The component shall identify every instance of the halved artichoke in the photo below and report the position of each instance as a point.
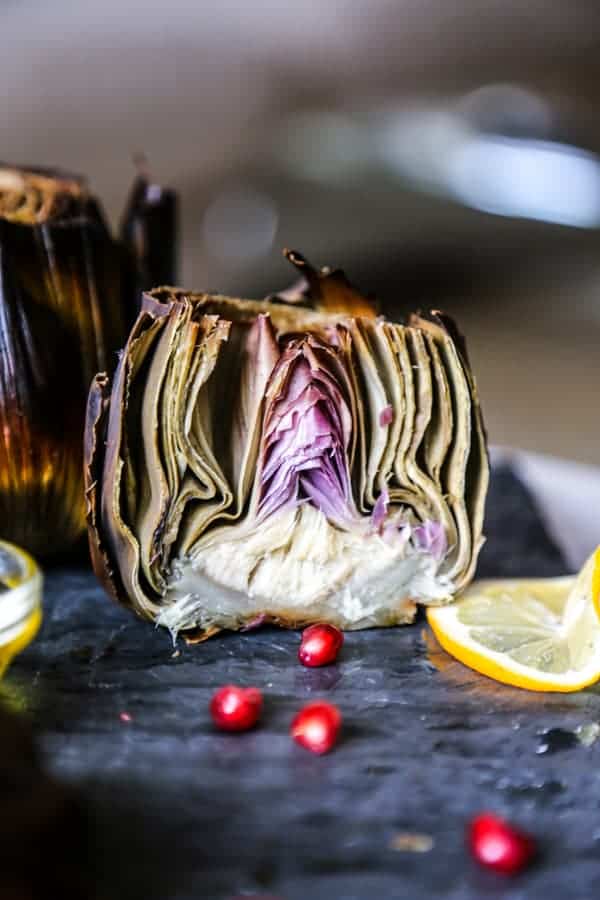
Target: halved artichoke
(257, 461)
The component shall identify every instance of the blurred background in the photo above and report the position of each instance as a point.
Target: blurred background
(445, 154)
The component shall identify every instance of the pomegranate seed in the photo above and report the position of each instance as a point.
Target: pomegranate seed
(500, 846)
(320, 645)
(236, 709)
(317, 726)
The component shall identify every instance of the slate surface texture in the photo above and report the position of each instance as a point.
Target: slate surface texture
(181, 812)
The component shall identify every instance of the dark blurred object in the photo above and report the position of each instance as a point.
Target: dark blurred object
(65, 302)
(519, 543)
(43, 829)
(149, 233)
(60, 320)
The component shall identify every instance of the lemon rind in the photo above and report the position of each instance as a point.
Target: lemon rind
(492, 664)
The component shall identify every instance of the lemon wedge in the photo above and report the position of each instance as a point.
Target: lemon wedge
(538, 634)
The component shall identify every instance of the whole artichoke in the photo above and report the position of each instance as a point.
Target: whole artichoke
(67, 300)
(260, 461)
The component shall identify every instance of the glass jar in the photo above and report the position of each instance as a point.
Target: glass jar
(20, 601)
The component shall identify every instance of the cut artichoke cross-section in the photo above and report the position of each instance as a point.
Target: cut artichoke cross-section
(272, 461)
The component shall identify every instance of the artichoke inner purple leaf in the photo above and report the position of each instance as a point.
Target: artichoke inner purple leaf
(307, 433)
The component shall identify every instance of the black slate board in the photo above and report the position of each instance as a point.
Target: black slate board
(183, 813)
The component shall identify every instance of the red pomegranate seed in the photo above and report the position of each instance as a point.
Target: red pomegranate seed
(236, 709)
(317, 726)
(500, 846)
(320, 645)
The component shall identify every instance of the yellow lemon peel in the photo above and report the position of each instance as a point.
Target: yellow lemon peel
(537, 634)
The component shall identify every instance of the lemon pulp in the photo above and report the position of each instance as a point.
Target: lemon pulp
(540, 634)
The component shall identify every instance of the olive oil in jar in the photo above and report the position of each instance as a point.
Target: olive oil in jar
(20, 602)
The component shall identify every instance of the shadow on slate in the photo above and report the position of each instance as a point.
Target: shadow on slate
(184, 813)
(518, 545)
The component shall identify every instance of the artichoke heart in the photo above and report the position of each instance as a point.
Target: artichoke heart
(292, 460)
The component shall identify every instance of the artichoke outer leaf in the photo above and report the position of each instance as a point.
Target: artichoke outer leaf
(106, 570)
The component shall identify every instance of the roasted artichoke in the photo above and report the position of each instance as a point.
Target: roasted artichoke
(260, 462)
(67, 300)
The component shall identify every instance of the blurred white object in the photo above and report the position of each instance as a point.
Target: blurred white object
(322, 146)
(447, 149)
(530, 179)
(239, 224)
